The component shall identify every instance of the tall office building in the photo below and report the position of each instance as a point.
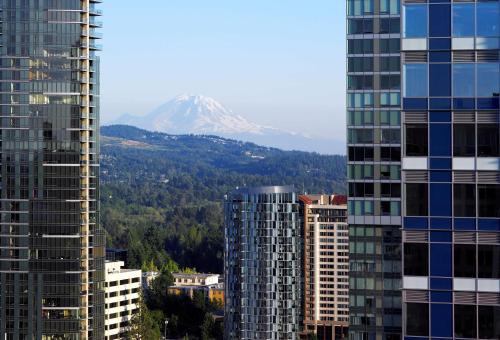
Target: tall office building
(451, 169)
(262, 260)
(51, 244)
(374, 168)
(326, 266)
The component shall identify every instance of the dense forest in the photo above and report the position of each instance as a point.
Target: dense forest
(162, 195)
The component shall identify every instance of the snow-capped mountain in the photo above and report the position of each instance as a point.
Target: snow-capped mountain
(194, 114)
(200, 115)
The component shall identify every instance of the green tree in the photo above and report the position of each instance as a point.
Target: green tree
(207, 327)
(143, 325)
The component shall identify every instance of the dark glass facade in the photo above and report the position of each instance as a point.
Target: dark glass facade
(374, 168)
(51, 243)
(451, 169)
(263, 264)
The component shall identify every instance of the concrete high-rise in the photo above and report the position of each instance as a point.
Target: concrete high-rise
(451, 169)
(51, 244)
(263, 265)
(374, 168)
(326, 266)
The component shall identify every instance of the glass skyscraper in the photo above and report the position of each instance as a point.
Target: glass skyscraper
(451, 169)
(263, 264)
(374, 168)
(51, 243)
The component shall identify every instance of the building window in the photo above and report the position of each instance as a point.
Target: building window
(463, 80)
(416, 80)
(488, 140)
(489, 322)
(464, 200)
(465, 321)
(488, 261)
(416, 140)
(415, 21)
(464, 260)
(487, 19)
(488, 79)
(489, 196)
(416, 258)
(417, 319)
(389, 6)
(416, 199)
(463, 20)
(464, 140)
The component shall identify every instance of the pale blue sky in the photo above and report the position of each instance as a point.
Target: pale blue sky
(275, 62)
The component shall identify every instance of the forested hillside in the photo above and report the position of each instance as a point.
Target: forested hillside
(162, 194)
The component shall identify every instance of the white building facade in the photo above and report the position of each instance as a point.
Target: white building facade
(122, 287)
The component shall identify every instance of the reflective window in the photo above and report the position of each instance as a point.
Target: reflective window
(359, 7)
(488, 140)
(487, 19)
(463, 20)
(465, 260)
(416, 80)
(489, 196)
(415, 21)
(417, 319)
(464, 200)
(463, 80)
(464, 140)
(489, 322)
(390, 118)
(416, 140)
(488, 261)
(488, 78)
(389, 6)
(416, 259)
(416, 199)
(465, 321)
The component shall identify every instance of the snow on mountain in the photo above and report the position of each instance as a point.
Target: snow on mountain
(200, 115)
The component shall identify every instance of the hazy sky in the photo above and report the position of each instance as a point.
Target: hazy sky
(275, 62)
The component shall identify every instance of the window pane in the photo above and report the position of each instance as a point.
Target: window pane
(464, 198)
(417, 319)
(464, 140)
(463, 20)
(489, 322)
(416, 199)
(487, 19)
(489, 196)
(416, 259)
(488, 261)
(439, 20)
(463, 80)
(465, 260)
(488, 140)
(465, 321)
(415, 76)
(415, 21)
(416, 140)
(488, 75)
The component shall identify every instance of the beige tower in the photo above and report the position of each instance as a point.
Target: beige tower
(326, 266)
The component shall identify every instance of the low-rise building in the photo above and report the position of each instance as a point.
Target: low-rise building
(122, 293)
(148, 278)
(207, 284)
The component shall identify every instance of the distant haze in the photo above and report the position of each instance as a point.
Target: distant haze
(201, 115)
(276, 63)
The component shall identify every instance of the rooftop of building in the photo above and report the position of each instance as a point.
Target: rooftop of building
(320, 199)
(265, 190)
(194, 275)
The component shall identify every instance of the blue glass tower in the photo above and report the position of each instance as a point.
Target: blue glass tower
(451, 169)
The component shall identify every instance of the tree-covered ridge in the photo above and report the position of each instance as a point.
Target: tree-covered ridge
(162, 194)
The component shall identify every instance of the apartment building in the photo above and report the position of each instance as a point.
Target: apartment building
(122, 292)
(263, 265)
(52, 247)
(326, 266)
